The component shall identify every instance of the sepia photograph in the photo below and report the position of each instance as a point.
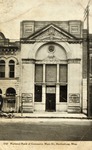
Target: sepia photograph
(45, 74)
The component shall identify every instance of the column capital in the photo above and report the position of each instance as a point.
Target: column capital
(57, 73)
(43, 73)
(74, 61)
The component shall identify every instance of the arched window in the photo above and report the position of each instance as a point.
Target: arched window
(2, 68)
(11, 68)
(10, 95)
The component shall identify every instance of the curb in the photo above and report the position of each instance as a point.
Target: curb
(39, 117)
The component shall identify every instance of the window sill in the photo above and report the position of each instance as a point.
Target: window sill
(9, 78)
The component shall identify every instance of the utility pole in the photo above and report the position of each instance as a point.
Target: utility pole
(88, 67)
(88, 63)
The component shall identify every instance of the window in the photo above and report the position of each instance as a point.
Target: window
(38, 73)
(11, 69)
(38, 93)
(63, 73)
(2, 68)
(63, 93)
(10, 95)
(51, 73)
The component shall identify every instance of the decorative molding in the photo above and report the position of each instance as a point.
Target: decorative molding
(28, 61)
(50, 83)
(55, 39)
(74, 109)
(51, 49)
(8, 51)
(51, 33)
(75, 29)
(47, 61)
(51, 59)
(74, 61)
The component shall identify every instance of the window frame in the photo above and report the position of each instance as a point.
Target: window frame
(2, 73)
(62, 86)
(38, 95)
(41, 78)
(11, 73)
(47, 73)
(61, 67)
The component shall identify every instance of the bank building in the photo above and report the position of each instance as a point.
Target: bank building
(46, 70)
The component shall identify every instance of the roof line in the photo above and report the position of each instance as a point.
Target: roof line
(47, 26)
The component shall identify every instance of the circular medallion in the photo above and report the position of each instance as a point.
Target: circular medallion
(51, 48)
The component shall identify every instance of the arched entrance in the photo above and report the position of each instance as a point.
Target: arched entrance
(11, 98)
(51, 78)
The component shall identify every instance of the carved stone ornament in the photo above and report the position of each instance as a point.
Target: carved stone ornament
(51, 52)
(51, 49)
(51, 33)
(51, 59)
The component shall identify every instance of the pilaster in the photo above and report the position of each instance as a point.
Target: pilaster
(44, 66)
(7, 70)
(57, 73)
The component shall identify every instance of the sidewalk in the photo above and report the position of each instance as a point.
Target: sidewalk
(50, 115)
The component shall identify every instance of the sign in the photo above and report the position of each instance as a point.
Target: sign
(51, 90)
(74, 98)
(27, 102)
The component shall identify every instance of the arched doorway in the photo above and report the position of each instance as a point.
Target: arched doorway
(11, 98)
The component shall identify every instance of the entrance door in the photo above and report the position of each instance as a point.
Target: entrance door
(50, 102)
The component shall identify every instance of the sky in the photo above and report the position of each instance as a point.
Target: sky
(12, 12)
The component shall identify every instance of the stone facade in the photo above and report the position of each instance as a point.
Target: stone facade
(49, 68)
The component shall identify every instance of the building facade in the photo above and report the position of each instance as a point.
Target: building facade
(46, 70)
(9, 73)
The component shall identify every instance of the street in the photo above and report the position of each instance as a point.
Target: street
(45, 129)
